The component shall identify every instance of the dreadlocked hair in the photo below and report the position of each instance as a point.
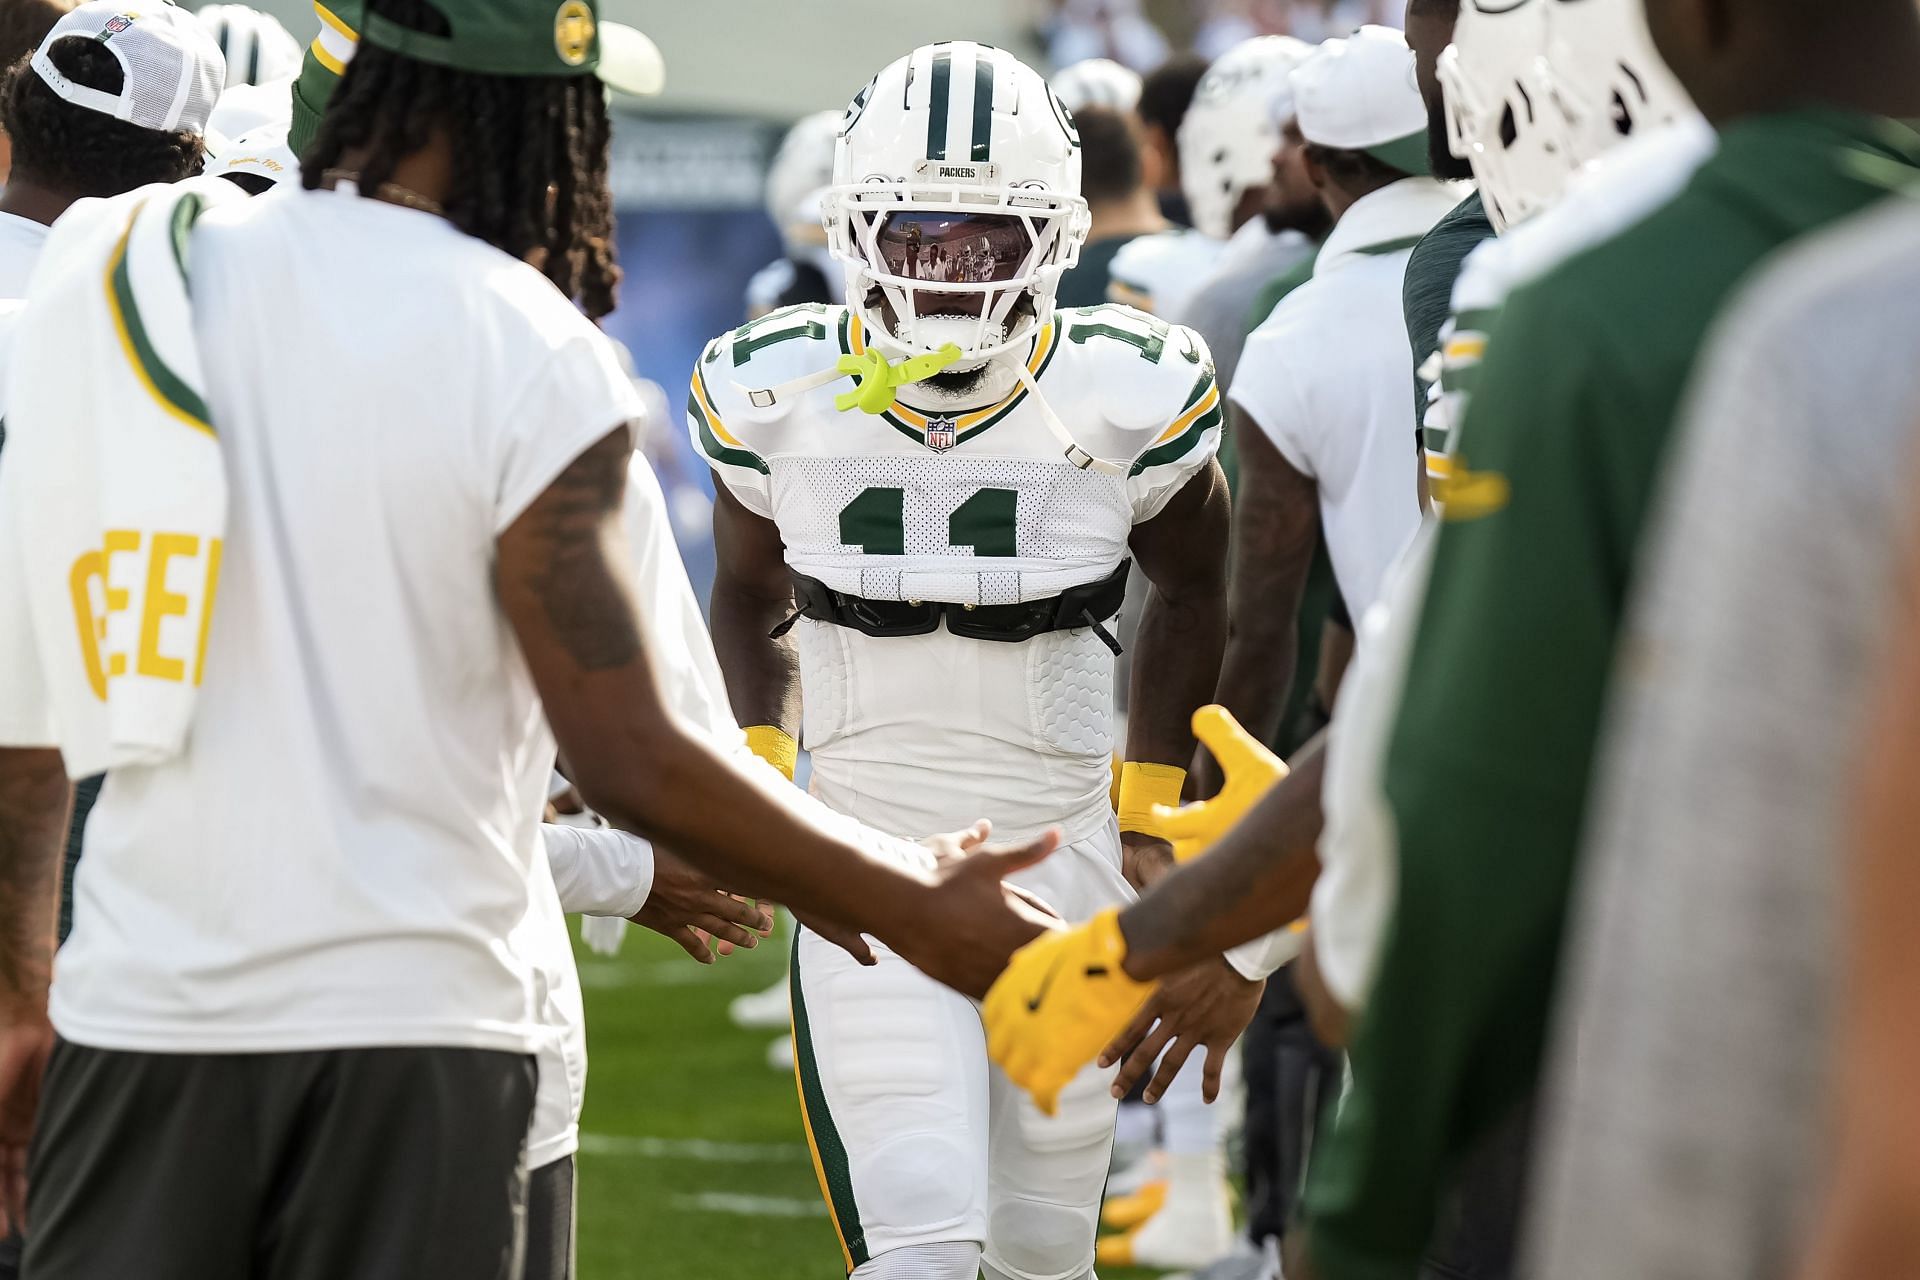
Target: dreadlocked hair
(78, 151)
(529, 153)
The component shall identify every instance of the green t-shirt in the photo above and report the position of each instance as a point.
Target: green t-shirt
(1487, 773)
(1427, 292)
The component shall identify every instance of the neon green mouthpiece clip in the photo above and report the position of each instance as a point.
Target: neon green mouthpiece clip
(875, 379)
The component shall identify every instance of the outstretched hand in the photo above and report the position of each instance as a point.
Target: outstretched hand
(1062, 997)
(1204, 1007)
(689, 908)
(970, 922)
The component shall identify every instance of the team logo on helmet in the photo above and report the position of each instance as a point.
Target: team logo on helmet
(573, 32)
(942, 434)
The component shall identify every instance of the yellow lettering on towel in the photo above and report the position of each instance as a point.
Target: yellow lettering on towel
(92, 609)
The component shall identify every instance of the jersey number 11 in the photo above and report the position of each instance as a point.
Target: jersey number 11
(988, 522)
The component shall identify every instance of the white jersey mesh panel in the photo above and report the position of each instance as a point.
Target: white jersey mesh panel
(1070, 526)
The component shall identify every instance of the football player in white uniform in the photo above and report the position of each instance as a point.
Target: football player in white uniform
(928, 502)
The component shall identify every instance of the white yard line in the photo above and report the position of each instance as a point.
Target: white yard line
(604, 1144)
(752, 1206)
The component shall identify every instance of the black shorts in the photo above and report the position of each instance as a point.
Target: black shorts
(375, 1164)
(550, 1215)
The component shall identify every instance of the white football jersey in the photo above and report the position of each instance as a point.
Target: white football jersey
(1161, 272)
(921, 734)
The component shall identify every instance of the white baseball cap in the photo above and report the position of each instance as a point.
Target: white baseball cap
(172, 71)
(1359, 94)
(259, 160)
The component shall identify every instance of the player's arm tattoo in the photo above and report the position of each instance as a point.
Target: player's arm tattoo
(1176, 649)
(35, 800)
(1276, 528)
(1257, 879)
(569, 529)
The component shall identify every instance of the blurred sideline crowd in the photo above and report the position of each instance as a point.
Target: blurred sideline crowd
(1604, 796)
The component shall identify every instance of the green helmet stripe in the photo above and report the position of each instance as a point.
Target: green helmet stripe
(938, 94)
(982, 109)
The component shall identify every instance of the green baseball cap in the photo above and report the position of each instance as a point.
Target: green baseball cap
(528, 38)
(627, 60)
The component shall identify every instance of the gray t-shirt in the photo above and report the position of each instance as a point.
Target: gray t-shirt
(1681, 1133)
(1253, 259)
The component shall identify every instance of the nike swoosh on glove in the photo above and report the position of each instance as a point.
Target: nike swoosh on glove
(1062, 998)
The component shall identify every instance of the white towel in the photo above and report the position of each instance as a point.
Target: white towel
(124, 501)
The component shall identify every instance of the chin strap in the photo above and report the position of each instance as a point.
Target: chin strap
(874, 379)
(1075, 454)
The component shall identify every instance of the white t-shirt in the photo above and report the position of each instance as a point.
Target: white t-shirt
(1326, 378)
(20, 241)
(340, 853)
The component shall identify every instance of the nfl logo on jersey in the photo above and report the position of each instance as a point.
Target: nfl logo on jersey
(940, 434)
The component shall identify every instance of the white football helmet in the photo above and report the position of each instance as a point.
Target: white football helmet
(1499, 117)
(802, 168)
(1232, 131)
(258, 49)
(1606, 80)
(1098, 82)
(956, 202)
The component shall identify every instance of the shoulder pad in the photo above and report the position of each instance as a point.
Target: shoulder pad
(1126, 376)
(775, 349)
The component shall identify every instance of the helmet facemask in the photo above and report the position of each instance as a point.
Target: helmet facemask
(1607, 81)
(933, 263)
(1509, 131)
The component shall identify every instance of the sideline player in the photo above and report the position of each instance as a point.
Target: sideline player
(393, 604)
(957, 554)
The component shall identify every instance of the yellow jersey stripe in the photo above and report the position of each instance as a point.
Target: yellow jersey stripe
(713, 415)
(1191, 416)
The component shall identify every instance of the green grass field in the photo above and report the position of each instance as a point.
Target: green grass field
(692, 1160)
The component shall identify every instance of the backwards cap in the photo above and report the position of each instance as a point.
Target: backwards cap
(171, 69)
(1359, 94)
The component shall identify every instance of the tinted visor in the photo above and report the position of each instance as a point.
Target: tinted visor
(958, 248)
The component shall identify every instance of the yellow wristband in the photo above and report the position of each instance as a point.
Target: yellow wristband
(774, 745)
(1142, 786)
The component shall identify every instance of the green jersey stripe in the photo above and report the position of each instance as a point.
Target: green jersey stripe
(835, 1170)
(938, 93)
(1200, 389)
(982, 110)
(165, 383)
(711, 443)
(1178, 448)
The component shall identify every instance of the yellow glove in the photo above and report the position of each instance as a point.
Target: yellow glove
(1249, 768)
(1062, 998)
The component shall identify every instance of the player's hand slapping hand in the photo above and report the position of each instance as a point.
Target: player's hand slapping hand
(947, 850)
(689, 908)
(1204, 1007)
(1063, 998)
(1250, 771)
(970, 921)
